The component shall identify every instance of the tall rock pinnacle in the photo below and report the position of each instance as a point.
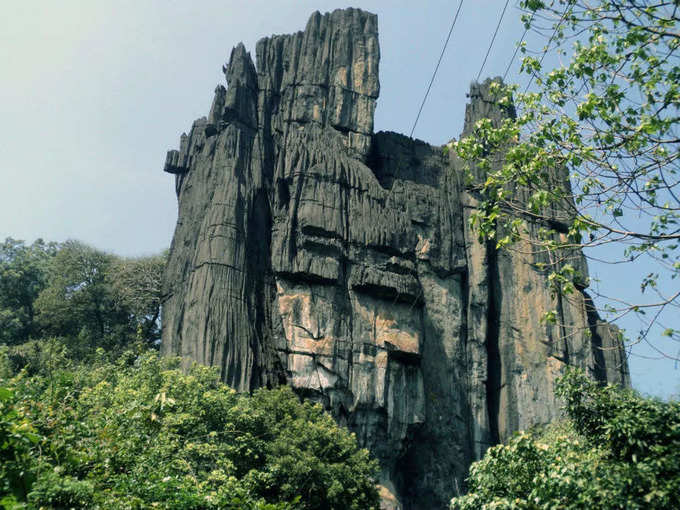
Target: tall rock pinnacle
(312, 252)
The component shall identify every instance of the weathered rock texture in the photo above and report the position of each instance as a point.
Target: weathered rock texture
(312, 252)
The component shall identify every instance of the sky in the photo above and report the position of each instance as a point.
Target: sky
(93, 94)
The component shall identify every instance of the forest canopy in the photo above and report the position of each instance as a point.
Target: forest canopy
(73, 291)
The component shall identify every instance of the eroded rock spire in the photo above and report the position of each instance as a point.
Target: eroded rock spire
(312, 252)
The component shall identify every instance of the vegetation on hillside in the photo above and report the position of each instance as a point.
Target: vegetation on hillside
(616, 450)
(92, 417)
(137, 432)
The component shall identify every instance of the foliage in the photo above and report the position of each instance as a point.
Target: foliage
(136, 284)
(42, 356)
(82, 428)
(22, 277)
(78, 293)
(139, 433)
(78, 299)
(616, 451)
(17, 439)
(607, 117)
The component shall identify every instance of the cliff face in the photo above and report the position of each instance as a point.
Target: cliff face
(312, 252)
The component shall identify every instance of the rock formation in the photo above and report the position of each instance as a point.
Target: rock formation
(312, 252)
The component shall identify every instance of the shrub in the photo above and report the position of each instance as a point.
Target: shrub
(616, 450)
(138, 433)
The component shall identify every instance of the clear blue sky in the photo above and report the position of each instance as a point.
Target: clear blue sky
(93, 94)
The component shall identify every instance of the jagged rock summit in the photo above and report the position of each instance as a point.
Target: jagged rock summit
(313, 252)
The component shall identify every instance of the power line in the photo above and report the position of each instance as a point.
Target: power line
(436, 68)
(507, 69)
(492, 40)
(547, 46)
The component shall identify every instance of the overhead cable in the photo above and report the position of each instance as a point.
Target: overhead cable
(507, 69)
(446, 43)
(492, 40)
(547, 46)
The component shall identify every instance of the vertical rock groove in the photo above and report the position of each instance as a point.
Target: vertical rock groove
(313, 252)
(493, 367)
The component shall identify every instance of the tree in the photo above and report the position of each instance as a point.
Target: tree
(79, 302)
(75, 291)
(616, 451)
(136, 285)
(606, 119)
(23, 275)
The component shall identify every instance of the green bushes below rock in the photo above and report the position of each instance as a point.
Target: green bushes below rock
(616, 450)
(137, 432)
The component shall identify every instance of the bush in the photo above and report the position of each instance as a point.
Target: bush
(617, 450)
(17, 440)
(138, 433)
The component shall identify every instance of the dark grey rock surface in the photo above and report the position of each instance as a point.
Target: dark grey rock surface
(312, 252)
